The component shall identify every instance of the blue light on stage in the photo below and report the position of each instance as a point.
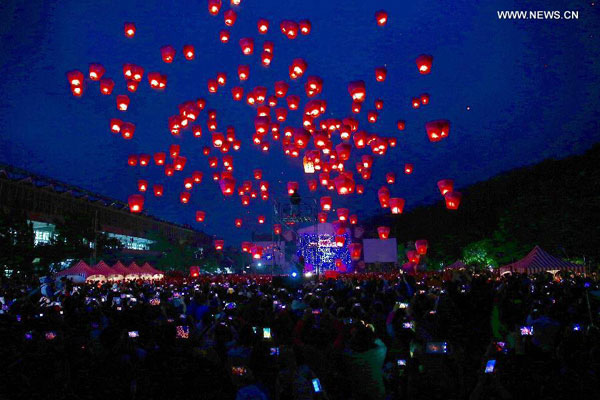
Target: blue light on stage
(321, 251)
(294, 274)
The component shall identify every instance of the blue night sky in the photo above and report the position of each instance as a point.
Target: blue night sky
(532, 88)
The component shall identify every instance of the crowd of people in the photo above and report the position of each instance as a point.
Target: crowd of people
(370, 336)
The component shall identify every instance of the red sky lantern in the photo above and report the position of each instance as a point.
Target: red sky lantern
(281, 114)
(159, 158)
(129, 29)
(75, 78)
(132, 160)
(179, 163)
(353, 219)
(416, 102)
(325, 203)
(453, 200)
(136, 203)
(289, 29)
(401, 125)
(200, 215)
(408, 169)
(96, 71)
(381, 17)
(390, 178)
(189, 52)
(424, 99)
(383, 194)
(383, 232)
(132, 85)
(115, 125)
(212, 85)
(293, 102)
(378, 104)
(357, 91)
(245, 200)
(219, 244)
(281, 88)
(437, 130)
(122, 102)
(264, 186)
(246, 246)
(169, 170)
(313, 86)
(188, 183)
(277, 229)
(158, 190)
(218, 139)
(344, 185)
(380, 74)
(445, 186)
(292, 187)
(360, 189)
(342, 214)
(106, 86)
(322, 217)
(340, 240)
(227, 186)
(356, 107)
(261, 219)
(297, 68)
(372, 116)
(194, 271)
(305, 26)
(174, 150)
(312, 185)
(213, 162)
(229, 17)
(266, 58)
(214, 6)
(238, 222)
(167, 53)
(355, 251)
(343, 151)
(221, 78)
(127, 130)
(421, 246)
(263, 26)
(413, 256)
(424, 62)
(224, 36)
(258, 174)
(144, 160)
(257, 252)
(247, 46)
(396, 205)
(184, 197)
(324, 178)
(360, 139)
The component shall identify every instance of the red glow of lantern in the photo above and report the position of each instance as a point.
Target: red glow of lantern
(221, 78)
(224, 36)
(115, 125)
(381, 17)
(305, 26)
(322, 217)
(355, 250)
(277, 229)
(312, 185)
(136, 203)
(408, 169)
(188, 183)
(184, 197)
(132, 160)
(96, 71)
(424, 62)
(266, 58)
(261, 219)
(179, 163)
(437, 130)
(219, 244)
(281, 88)
(383, 194)
(353, 219)
(227, 186)
(390, 178)
(453, 200)
(214, 6)
(200, 215)
(325, 203)
(159, 158)
(424, 99)
(297, 68)
(229, 17)
(238, 222)
(189, 52)
(106, 86)
(340, 240)
(167, 53)
(289, 29)
(372, 116)
(413, 256)
(292, 187)
(396, 205)
(357, 91)
(421, 246)
(129, 29)
(127, 130)
(342, 214)
(144, 160)
(122, 102)
(263, 26)
(247, 46)
(380, 74)
(158, 190)
(257, 252)
(383, 232)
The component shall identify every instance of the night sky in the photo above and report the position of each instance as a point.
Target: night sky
(516, 92)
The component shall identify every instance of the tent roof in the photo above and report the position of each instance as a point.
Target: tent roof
(81, 268)
(458, 264)
(102, 268)
(538, 261)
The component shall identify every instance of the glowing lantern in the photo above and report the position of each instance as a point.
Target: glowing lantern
(229, 17)
(305, 26)
(218, 139)
(188, 183)
(136, 203)
(144, 160)
(194, 272)
(174, 150)
(158, 190)
(281, 89)
(408, 169)
(367, 161)
(129, 28)
(167, 53)
(156, 80)
(424, 99)
(384, 196)
(322, 217)
(258, 174)
(289, 29)
(106, 86)
(132, 85)
(75, 78)
(293, 102)
(416, 102)
(453, 200)
(378, 104)
(122, 102)
(221, 78)
(340, 240)
(297, 68)
(277, 229)
(266, 58)
(390, 178)
(445, 186)
(358, 91)
(421, 246)
(184, 197)
(227, 186)
(360, 139)
(189, 52)
(381, 17)
(353, 219)
(96, 71)
(261, 219)
(360, 189)
(383, 232)
(263, 26)
(312, 185)
(219, 243)
(344, 185)
(127, 130)
(200, 216)
(424, 62)
(212, 85)
(401, 125)
(257, 252)
(169, 170)
(437, 130)
(292, 187)
(380, 74)
(115, 125)
(247, 46)
(342, 214)
(396, 205)
(413, 256)
(372, 116)
(224, 36)
(325, 203)
(179, 163)
(355, 250)
(313, 86)
(343, 151)
(214, 6)
(238, 222)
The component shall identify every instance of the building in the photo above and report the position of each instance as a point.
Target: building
(46, 201)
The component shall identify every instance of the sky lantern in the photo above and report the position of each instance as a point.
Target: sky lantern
(424, 62)
(421, 246)
(396, 205)
(453, 200)
(174, 150)
(381, 17)
(355, 250)
(197, 176)
(122, 102)
(158, 190)
(179, 163)
(281, 114)
(353, 219)
(289, 29)
(390, 178)
(293, 102)
(324, 178)
(132, 85)
(408, 168)
(245, 199)
(261, 219)
(297, 68)
(214, 6)
(238, 222)
(263, 26)
(424, 99)
(378, 104)
(229, 17)
(313, 86)
(257, 252)
(264, 196)
(325, 203)
(312, 185)
(106, 86)
(357, 91)
(268, 46)
(132, 160)
(383, 232)
(200, 215)
(264, 186)
(305, 26)
(366, 173)
(167, 53)
(383, 194)
(77, 91)
(189, 52)
(127, 130)
(188, 183)
(360, 139)
(356, 106)
(144, 160)
(437, 130)
(129, 29)
(246, 247)
(281, 88)
(155, 79)
(367, 160)
(342, 214)
(445, 186)
(159, 158)
(247, 46)
(360, 189)
(227, 186)
(219, 244)
(292, 187)
(224, 36)
(96, 71)
(218, 139)
(115, 125)
(221, 78)
(169, 170)
(401, 125)
(413, 256)
(212, 85)
(416, 102)
(197, 131)
(340, 240)
(343, 151)
(184, 197)
(322, 217)
(266, 58)
(380, 74)
(277, 229)
(136, 203)
(258, 174)
(213, 162)
(344, 184)
(75, 78)
(372, 116)
(235, 2)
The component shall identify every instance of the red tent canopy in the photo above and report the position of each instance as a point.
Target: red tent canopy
(103, 268)
(136, 269)
(120, 268)
(81, 268)
(538, 261)
(150, 269)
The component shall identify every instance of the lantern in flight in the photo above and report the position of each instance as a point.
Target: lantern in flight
(106, 86)
(129, 28)
(355, 251)
(322, 217)
(247, 46)
(401, 125)
(383, 232)
(424, 62)
(144, 160)
(158, 190)
(263, 26)
(227, 186)
(413, 256)
(445, 186)
(384, 196)
(167, 53)
(396, 205)
(453, 200)
(122, 102)
(437, 130)
(357, 91)
(238, 222)
(96, 71)
(261, 219)
(132, 160)
(325, 203)
(292, 187)
(159, 158)
(342, 214)
(390, 178)
(214, 6)
(289, 29)
(297, 68)
(424, 99)
(229, 17)
(353, 219)
(421, 246)
(305, 26)
(380, 74)
(408, 169)
(189, 52)
(184, 197)
(281, 88)
(127, 130)
(381, 17)
(257, 252)
(136, 203)
(200, 215)
(224, 36)
(219, 244)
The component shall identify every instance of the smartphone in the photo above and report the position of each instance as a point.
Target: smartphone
(28, 336)
(489, 367)
(408, 325)
(119, 308)
(436, 348)
(155, 301)
(576, 327)
(274, 351)
(254, 329)
(317, 385)
(267, 333)
(229, 306)
(182, 332)
(239, 371)
(401, 363)
(526, 330)
(316, 312)
(402, 305)
(50, 335)
(134, 334)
